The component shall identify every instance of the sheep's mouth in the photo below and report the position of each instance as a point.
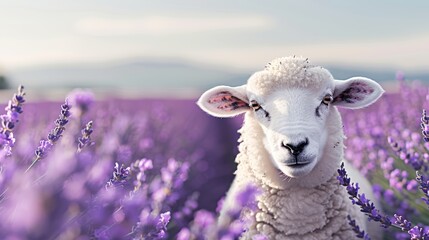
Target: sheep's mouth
(297, 164)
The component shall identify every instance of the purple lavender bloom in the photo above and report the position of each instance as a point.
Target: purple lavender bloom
(418, 233)
(60, 124)
(141, 166)
(403, 223)
(181, 216)
(162, 223)
(424, 186)
(412, 186)
(120, 175)
(395, 146)
(10, 119)
(150, 226)
(359, 233)
(412, 159)
(184, 234)
(245, 199)
(53, 137)
(342, 176)
(204, 219)
(81, 100)
(366, 206)
(44, 147)
(173, 177)
(85, 139)
(204, 225)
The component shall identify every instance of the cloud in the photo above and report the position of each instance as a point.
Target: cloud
(163, 25)
(402, 53)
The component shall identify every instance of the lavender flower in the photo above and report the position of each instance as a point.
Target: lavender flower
(141, 166)
(395, 146)
(424, 186)
(181, 217)
(366, 206)
(245, 199)
(359, 233)
(151, 227)
(418, 233)
(173, 176)
(120, 176)
(10, 119)
(184, 234)
(204, 225)
(85, 139)
(53, 137)
(403, 223)
(81, 100)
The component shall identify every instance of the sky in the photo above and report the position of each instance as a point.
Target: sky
(240, 34)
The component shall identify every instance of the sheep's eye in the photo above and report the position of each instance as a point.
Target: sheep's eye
(327, 99)
(255, 105)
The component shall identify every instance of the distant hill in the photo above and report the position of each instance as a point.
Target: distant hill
(144, 74)
(158, 74)
(379, 75)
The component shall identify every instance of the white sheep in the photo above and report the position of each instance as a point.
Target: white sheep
(291, 146)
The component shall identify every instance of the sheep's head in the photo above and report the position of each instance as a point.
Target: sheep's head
(292, 101)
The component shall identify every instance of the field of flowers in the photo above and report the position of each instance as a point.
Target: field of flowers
(157, 169)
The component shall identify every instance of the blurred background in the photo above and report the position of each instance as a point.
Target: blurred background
(178, 49)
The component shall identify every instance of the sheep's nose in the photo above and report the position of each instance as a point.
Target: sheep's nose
(296, 149)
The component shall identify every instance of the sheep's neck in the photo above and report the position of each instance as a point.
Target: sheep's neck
(302, 213)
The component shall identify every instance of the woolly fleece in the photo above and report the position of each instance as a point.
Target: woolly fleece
(287, 72)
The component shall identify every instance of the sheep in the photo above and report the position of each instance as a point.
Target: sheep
(291, 145)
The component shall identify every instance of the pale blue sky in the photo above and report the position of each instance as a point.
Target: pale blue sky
(242, 34)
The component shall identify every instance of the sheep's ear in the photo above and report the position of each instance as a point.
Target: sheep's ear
(224, 101)
(356, 92)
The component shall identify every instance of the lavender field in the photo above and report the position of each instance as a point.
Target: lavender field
(157, 169)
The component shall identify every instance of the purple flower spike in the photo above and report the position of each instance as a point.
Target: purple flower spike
(151, 226)
(53, 137)
(120, 175)
(365, 205)
(403, 223)
(81, 100)
(417, 233)
(424, 186)
(356, 229)
(395, 146)
(10, 119)
(141, 166)
(85, 139)
(342, 176)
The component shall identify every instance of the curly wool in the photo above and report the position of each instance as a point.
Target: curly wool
(287, 72)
